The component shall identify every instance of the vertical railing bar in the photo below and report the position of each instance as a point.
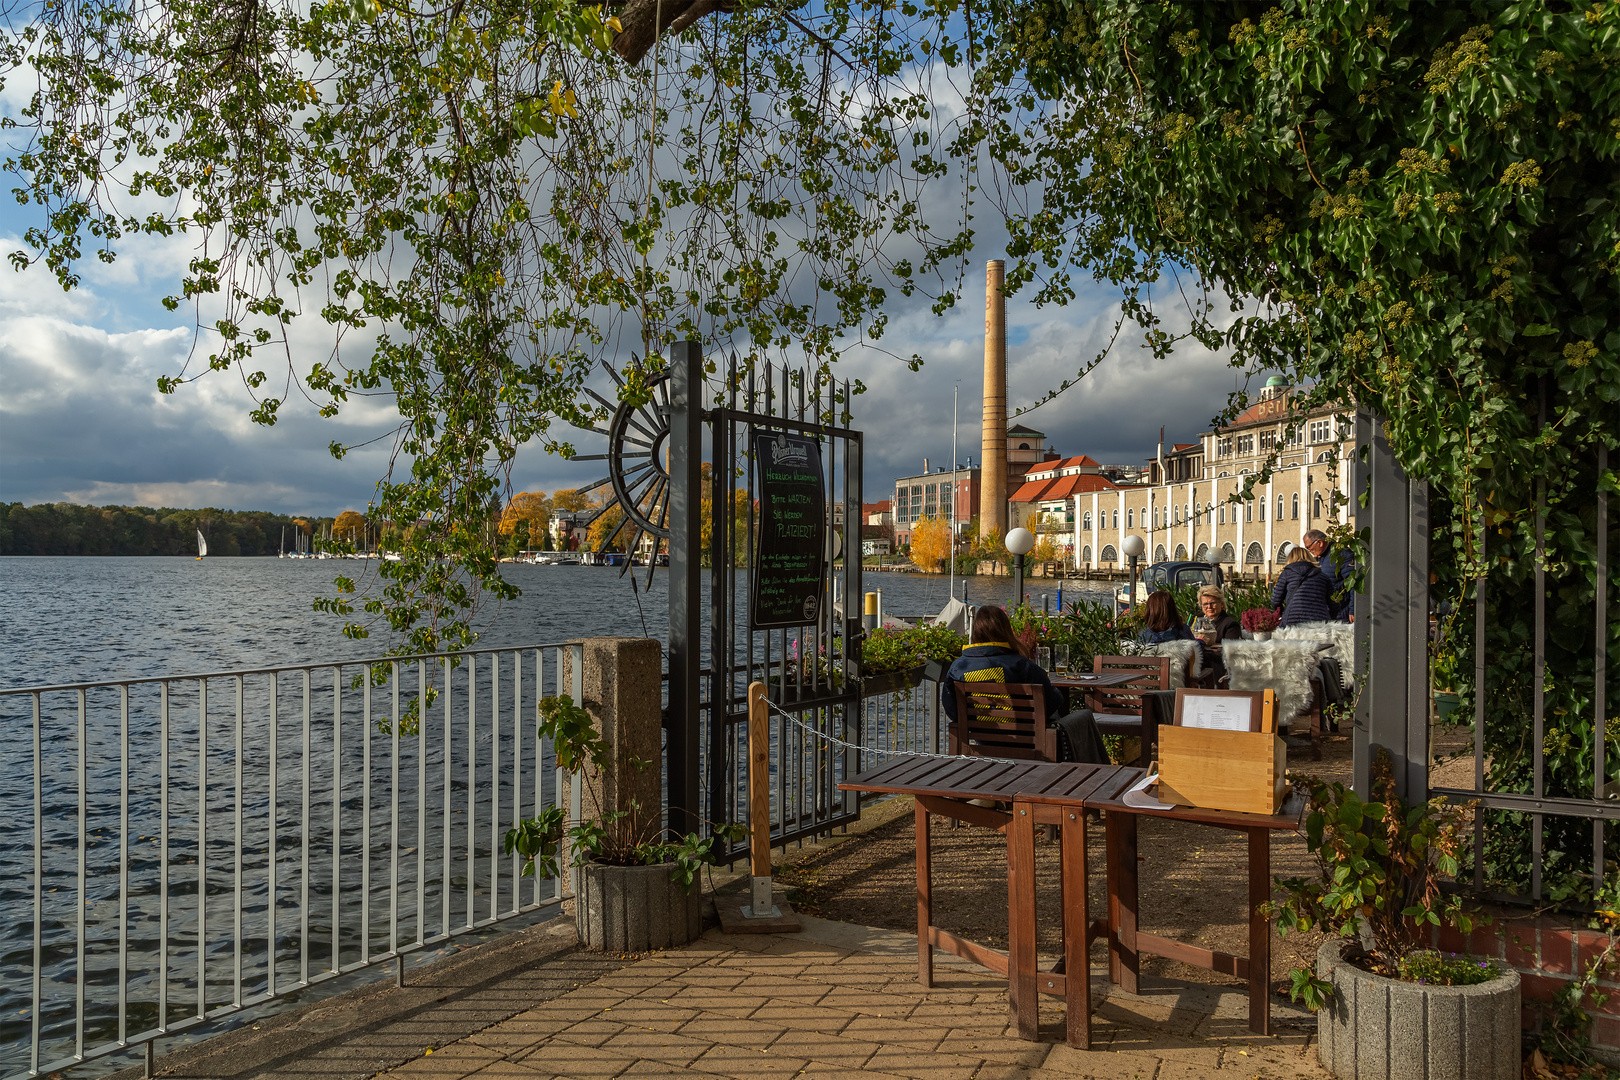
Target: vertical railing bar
(495, 781)
(539, 756)
(1600, 661)
(1538, 758)
(123, 864)
(39, 888)
(365, 818)
(472, 783)
(337, 817)
(1480, 589)
(445, 838)
(421, 801)
(202, 848)
(84, 796)
(393, 814)
(236, 945)
(272, 883)
(576, 787)
(163, 856)
(517, 767)
(303, 846)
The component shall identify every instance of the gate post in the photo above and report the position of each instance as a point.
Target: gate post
(1393, 708)
(685, 584)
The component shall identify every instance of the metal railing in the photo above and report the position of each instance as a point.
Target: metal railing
(191, 846)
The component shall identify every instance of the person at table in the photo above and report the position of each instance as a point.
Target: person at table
(1223, 626)
(1303, 593)
(995, 655)
(1339, 568)
(1163, 620)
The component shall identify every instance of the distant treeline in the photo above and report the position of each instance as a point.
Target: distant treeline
(70, 529)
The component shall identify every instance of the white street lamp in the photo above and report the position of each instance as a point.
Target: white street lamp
(1133, 546)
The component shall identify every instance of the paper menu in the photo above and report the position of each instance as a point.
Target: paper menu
(1218, 713)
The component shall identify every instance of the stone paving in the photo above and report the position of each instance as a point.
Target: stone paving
(838, 1000)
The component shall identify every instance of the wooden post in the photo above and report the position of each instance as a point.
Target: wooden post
(759, 801)
(757, 914)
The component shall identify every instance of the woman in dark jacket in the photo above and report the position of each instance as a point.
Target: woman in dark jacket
(1302, 591)
(1163, 620)
(994, 655)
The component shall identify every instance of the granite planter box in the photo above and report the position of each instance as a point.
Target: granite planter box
(1383, 1029)
(634, 908)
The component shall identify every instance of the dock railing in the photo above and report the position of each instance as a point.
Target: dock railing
(192, 846)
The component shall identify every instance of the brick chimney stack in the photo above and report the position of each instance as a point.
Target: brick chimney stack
(993, 477)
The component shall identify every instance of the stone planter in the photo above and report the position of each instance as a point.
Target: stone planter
(634, 908)
(890, 681)
(1383, 1029)
(1261, 635)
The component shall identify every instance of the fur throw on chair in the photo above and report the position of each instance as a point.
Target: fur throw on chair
(1186, 659)
(1283, 666)
(1343, 636)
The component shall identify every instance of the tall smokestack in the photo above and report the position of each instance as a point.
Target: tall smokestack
(993, 478)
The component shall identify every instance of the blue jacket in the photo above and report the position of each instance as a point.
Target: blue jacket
(1179, 632)
(995, 661)
(1303, 592)
(1339, 568)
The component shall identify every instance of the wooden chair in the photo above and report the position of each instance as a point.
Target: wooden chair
(1002, 720)
(1119, 710)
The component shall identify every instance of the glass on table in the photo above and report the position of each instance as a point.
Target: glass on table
(1043, 657)
(1060, 658)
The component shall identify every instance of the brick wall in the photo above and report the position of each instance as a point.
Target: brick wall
(1548, 952)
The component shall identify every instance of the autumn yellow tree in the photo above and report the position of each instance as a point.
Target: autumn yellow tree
(350, 526)
(930, 543)
(602, 528)
(570, 501)
(533, 507)
(1045, 550)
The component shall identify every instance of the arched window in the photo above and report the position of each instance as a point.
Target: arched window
(1316, 505)
(1116, 519)
(1248, 510)
(1181, 552)
(1085, 523)
(1280, 509)
(1130, 519)
(1203, 553)
(1255, 555)
(1186, 511)
(1085, 554)
(1282, 551)
(1023, 446)
(1293, 507)
(1262, 502)
(1209, 508)
(1158, 553)
(1220, 515)
(1108, 554)
(1228, 553)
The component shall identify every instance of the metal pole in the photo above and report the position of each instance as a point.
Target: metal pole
(685, 583)
(1133, 582)
(950, 517)
(1018, 580)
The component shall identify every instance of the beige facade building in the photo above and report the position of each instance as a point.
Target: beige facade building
(1186, 513)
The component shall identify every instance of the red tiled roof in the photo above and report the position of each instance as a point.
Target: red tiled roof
(1060, 487)
(1184, 446)
(880, 507)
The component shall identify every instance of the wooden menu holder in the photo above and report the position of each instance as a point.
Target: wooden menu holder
(1219, 769)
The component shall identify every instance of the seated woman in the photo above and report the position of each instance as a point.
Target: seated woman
(1163, 620)
(1302, 591)
(1212, 603)
(994, 656)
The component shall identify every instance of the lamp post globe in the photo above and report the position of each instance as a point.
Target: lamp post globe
(1133, 546)
(1020, 542)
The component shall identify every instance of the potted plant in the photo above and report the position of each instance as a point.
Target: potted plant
(1259, 622)
(1388, 1004)
(894, 659)
(637, 883)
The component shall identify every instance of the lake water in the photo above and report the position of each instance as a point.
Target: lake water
(69, 620)
(88, 619)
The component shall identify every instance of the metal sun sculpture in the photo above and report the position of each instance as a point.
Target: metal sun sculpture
(638, 478)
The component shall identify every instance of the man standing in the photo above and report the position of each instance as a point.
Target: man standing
(1339, 568)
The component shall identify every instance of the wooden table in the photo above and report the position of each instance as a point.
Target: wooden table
(942, 785)
(1126, 942)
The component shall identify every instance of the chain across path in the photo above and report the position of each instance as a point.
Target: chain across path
(859, 749)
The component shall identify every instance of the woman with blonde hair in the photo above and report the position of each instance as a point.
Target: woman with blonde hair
(1223, 627)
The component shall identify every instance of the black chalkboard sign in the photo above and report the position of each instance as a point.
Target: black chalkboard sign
(789, 567)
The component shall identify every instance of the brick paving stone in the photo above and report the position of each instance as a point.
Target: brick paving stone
(747, 1064)
(732, 1031)
(914, 1038)
(865, 1001)
(657, 1046)
(448, 1063)
(1067, 1061)
(577, 1060)
(779, 989)
(828, 1049)
(935, 1066)
(804, 1017)
(593, 1032)
(999, 1047)
(507, 1070)
(716, 1001)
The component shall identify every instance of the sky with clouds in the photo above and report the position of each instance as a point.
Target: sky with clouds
(81, 419)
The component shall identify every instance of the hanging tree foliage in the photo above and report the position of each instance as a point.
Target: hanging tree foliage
(474, 202)
(1417, 209)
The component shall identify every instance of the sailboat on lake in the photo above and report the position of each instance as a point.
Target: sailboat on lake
(202, 545)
